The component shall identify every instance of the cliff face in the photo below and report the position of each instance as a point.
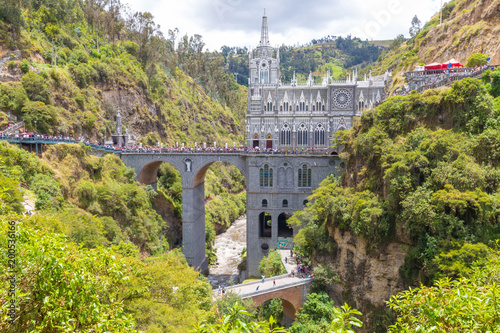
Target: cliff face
(369, 277)
(473, 27)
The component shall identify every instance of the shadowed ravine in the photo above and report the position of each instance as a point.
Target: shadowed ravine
(229, 246)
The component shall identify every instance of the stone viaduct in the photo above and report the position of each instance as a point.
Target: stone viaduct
(277, 185)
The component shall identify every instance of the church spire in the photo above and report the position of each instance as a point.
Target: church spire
(264, 36)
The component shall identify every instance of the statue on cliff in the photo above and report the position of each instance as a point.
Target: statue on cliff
(119, 123)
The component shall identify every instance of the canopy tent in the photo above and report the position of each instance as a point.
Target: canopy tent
(434, 65)
(453, 63)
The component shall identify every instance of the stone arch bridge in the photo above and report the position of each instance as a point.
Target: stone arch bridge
(277, 185)
(292, 292)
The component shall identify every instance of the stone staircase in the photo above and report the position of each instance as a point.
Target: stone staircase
(14, 127)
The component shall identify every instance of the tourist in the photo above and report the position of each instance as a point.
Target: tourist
(293, 273)
(262, 278)
(274, 283)
(257, 288)
(286, 260)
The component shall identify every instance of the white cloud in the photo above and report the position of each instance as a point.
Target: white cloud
(237, 22)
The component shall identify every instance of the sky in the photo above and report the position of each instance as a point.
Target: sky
(291, 22)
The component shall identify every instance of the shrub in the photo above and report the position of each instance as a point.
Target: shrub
(272, 265)
(46, 116)
(80, 100)
(11, 65)
(25, 66)
(79, 56)
(36, 88)
(89, 119)
(130, 47)
(86, 193)
(477, 59)
(62, 58)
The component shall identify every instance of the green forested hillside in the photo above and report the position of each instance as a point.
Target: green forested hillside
(420, 170)
(82, 60)
(320, 55)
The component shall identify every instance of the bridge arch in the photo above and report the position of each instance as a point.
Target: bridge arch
(289, 310)
(292, 297)
(192, 168)
(149, 172)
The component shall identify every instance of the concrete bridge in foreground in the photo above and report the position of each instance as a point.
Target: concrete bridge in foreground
(277, 185)
(292, 291)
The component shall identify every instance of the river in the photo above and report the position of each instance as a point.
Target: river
(229, 246)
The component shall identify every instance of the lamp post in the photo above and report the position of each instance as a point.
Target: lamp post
(441, 14)
(236, 75)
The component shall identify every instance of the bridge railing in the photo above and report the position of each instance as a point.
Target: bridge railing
(299, 282)
(116, 150)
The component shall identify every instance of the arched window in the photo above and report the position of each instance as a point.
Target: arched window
(265, 108)
(264, 203)
(304, 176)
(323, 107)
(314, 107)
(307, 107)
(281, 107)
(297, 107)
(266, 176)
(285, 203)
(264, 77)
(319, 135)
(290, 108)
(302, 135)
(285, 135)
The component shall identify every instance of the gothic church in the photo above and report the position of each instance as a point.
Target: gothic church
(302, 115)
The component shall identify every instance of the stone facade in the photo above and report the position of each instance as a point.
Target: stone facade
(302, 115)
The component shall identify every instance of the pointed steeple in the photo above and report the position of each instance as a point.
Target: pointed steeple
(264, 50)
(264, 34)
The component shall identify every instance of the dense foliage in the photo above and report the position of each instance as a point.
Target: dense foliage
(271, 265)
(468, 304)
(418, 165)
(319, 315)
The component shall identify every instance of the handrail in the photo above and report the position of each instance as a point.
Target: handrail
(168, 151)
(266, 291)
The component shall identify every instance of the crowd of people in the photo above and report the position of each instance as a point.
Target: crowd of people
(139, 149)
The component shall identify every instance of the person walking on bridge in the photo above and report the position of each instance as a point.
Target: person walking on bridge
(263, 278)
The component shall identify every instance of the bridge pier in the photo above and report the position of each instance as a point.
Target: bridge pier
(193, 226)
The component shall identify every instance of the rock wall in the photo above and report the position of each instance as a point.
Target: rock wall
(368, 276)
(474, 27)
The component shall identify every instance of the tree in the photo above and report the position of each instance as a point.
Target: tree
(465, 305)
(61, 286)
(272, 265)
(416, 26)
(239, 320)
(477, 59)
